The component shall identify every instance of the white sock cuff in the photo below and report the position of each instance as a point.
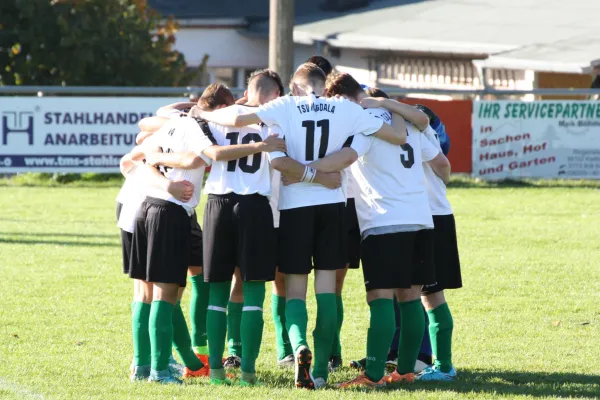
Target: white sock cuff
(217, 308)
(252, 308)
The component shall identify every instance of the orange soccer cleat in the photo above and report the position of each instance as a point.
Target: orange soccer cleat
(362, 381)
(395, 377)
(202, 372)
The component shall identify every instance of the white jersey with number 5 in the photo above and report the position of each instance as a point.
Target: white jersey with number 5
(177, 136)
(314, 127)
(391, 179)
(247, 175)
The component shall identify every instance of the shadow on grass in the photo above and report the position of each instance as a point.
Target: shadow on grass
(463, 182)
(62, 234)
(491, 383)
(58, 243)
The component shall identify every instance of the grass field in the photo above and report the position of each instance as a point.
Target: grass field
(527, 322)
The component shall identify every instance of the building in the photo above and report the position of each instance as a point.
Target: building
(420, 44)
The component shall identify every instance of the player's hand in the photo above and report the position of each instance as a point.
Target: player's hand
(331, 180)
(152, 158)
(273, 143)
(288, 180)
(195, 112)
(372, 102)
(242, 100)
(181, 190)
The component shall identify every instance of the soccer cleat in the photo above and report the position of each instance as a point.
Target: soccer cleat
(420, 366)
(395, 377)
(176, 368)
(232, 362)
(249, 379)
(201, 373)
(431, 374)
(219, 377)
(390, 365)
(163, 377)
(360, 365)
(139, 373)
(362, 381)
(335, 362)
(286, 362)
(303, 377)
(320, 383)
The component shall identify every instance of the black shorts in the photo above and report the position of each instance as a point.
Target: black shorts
(239, 232)
(161, 243)
(353, 244)
(126, 240)
(196, 259)
(447, 262)
(313, 234)
(398, 260)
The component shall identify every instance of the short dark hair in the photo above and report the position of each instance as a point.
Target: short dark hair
(375, 92)
(269, 74)
(322, 63)
(215, 95)
(343, 84)
(310, 72)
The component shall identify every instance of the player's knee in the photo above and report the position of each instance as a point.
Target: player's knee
(193, 271)
(279, 285)
(377, 294)
(237, 292)
(433, 300)
(403, 295)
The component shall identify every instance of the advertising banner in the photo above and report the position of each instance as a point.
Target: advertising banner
(539, 139)
(70, 134)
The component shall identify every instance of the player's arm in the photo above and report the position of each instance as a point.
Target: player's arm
(181, 190)
(413, 115)
(441, 166)
(337, 161)
(235, 151)
(183, 160)
(169, 108)
(394, 133)
(226, 118)
(297, 172)
(152, 124)
(143, 135)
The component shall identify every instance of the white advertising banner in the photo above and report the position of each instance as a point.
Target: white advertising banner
(70, 134)
(540, 139)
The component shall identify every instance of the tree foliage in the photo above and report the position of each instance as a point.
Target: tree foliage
(88, 42)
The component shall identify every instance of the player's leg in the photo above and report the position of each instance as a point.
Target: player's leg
(353, 262)
(417, 270)
(140, 317)
(182, 342)
(329, 256)
(199, 295)
(220, 255)
(448, 276)
(285, 354)
(295, 252)
(257, 260)
(234, 321)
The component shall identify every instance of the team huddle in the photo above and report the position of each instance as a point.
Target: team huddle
(333, 176)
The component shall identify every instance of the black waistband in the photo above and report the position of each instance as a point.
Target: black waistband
(163, 203)
(234, 196)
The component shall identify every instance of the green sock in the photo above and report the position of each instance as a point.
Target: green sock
(182, 341)
(284, 348)
(140, 316)
(234, 322)
(198, 308)
(252, 324)
(216, 322)
(323, 334)
(440, 333)
(336, 349)
(296, 319)
(412, 326)
(161, 334)
(381, 332)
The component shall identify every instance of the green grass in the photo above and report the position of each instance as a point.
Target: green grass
(527, 322)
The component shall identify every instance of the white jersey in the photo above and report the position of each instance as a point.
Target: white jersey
(247, 175)
(132, 196)
(391, 179)
(177, 136)
(314, 127)
(274, 198)
(436, 188)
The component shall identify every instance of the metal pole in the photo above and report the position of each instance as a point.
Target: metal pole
(281, 38)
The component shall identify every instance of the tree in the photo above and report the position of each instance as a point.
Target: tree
(88, 42)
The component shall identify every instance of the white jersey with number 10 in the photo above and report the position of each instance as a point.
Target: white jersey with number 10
(314, 127)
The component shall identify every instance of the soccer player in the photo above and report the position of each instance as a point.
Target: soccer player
(447, 264)
(312, 224)
(396, 228)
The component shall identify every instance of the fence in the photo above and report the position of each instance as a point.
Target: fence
(81, 133)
